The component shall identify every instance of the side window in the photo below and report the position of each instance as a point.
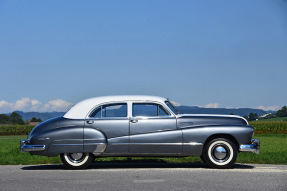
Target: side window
(162, 112)
(149, 109)
(110, 110)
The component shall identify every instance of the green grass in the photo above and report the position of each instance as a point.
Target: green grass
(10, 153)
(274, 119)
(273, 151)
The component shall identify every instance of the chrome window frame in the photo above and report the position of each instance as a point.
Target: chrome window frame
(178, 112)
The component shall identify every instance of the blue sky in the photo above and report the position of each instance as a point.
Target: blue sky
(207, 53)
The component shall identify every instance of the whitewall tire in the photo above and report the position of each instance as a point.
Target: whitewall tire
(77, 160)
(220, 153)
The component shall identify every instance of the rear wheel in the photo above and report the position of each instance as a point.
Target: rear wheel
(75, 161)
(220, 153)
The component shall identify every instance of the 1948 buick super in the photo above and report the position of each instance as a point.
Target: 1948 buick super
(139, 126)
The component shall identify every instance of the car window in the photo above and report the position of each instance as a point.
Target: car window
(161, 111)
(149, 110)
(110, 110)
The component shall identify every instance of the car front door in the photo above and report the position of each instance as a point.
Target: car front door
(153, 130)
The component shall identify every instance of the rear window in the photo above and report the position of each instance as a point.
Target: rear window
(110, 110)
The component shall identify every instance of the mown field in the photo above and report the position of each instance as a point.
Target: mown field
(273, 151)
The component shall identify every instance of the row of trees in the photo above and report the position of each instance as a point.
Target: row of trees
(15, 118)
(280, 113)
(251, 117)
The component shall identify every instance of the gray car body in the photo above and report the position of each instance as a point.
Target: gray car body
(174, 135)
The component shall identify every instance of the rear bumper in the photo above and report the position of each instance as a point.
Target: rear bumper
(254, 147)
(25, 147)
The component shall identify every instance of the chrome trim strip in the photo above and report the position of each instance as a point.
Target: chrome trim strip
(43, 139)
(153, 117)
(94, 144)
(106, 118)
(193, 143)
(68, 144)
(186, 123)
(146, 144)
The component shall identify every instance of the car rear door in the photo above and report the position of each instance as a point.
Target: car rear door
(112, 120)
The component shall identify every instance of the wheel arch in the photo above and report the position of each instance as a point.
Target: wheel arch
(222, 135)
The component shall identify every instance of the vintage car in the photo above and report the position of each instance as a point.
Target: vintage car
(133, 126)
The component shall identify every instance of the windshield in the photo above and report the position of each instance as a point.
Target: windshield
(171, 107)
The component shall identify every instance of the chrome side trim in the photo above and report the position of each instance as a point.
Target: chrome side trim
(186, 123)
(193, 143)
(254, 147)
(68, 144)
(43, 139)
(146, 144)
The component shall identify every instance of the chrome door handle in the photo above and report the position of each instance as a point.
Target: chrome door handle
(133, 120)
(90, 122)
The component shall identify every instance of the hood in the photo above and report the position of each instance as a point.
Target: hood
(207, 120)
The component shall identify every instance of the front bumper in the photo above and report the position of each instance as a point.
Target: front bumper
(25, 147)
(254, 147)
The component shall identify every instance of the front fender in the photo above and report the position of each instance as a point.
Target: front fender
(196, 136)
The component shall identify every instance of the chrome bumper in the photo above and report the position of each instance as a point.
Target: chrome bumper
(254, 147)
(25, 147)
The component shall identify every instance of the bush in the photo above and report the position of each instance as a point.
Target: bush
(270, 127)
(16, 129)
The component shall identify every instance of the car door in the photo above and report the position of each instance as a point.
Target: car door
(153, 130)
(112, 120)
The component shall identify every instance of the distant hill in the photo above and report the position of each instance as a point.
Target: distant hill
(224, 111)
(44, 116)
(183, 109)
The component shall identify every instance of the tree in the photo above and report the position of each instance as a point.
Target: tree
(246, 117)
(253, 116)
(4, 118)
(34, 119)
(282, 112)
(16, 118)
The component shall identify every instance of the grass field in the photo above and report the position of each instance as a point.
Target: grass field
(273, 151)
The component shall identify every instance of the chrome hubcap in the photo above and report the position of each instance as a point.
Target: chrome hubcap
(76, 157)
(220, 153)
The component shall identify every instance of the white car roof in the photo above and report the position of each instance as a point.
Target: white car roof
(82, 108)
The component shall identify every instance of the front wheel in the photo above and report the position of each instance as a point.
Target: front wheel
(75, 161)
(220, 153)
